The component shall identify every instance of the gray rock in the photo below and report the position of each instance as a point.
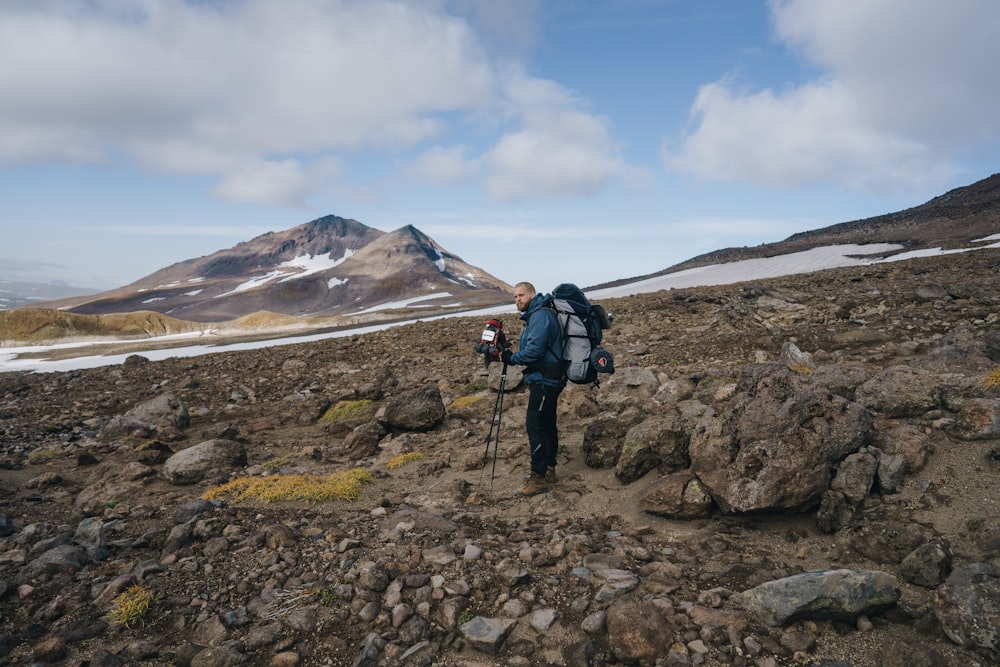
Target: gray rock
(834, 512)
(890, 472)
(679, 495)
(602, 442)
(907, 441)
(362, 442)
(900, 391)
(218, 656)
(59, 559)
(968, 607)
(657, 441)
(162, 410)
(828, 594)
(855, 476)
(979, 419)
(775, 449)
(191, 465)
(371, 652)
(121, 427)
(616, 583)
(90, 532)
(487, 634)
(928, 564)
(420, 409)
(888, 541)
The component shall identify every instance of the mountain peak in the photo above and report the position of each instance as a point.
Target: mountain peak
(330, 266)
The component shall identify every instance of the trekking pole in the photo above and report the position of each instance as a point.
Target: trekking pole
(497, 416)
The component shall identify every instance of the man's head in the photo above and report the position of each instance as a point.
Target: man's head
(523, 294)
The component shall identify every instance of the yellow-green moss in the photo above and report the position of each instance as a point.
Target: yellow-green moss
(466, 401)
(633, 445)
(345, 411)
(42, 456)
(991, 379)
(344, 485)
(131, 606)
(403, 459)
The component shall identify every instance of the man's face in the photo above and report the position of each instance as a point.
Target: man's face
(522, 297)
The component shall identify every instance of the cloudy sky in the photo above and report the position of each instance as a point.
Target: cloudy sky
(546, 140)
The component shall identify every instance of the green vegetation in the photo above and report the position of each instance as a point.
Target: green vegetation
(43, 456)
(311, 488)
(346, 411)
(466, 401)
(403, 459)
(131, 606)
(991, 379)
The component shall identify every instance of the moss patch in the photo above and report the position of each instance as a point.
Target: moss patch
(403, 459)
(131, 606)
(991, 379)
(347, 411)
(311, 488)
(463, 402)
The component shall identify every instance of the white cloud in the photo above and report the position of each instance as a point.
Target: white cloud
(908, 87)
(559, 149)
(276, 183)
(444, 166)
(254, 92)
(549, 145)
(215, 87)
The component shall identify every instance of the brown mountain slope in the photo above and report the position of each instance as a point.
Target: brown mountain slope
(953, 220)
(328, 267)
(45, 324)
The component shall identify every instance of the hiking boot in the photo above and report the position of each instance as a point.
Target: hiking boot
(536, 484)
(550, 475)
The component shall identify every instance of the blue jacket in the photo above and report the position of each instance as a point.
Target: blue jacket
(540, 346)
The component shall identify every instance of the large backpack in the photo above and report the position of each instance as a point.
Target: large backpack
(582, 325)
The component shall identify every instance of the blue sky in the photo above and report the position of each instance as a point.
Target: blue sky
(546, 141)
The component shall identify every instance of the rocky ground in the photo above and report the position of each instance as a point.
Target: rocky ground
(846, 422)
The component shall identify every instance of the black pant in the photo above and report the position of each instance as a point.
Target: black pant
(540, 423)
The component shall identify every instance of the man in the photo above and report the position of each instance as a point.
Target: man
(540, 351)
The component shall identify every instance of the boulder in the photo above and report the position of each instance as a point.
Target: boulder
(907, 441)
(900, 391)
(420, 409)
(979, 419)
(928, 564)
(779, 439)
(602, 442)
(363, 440)
(162, 410)
(121, 427)
(855, 476)
(637, 632)
(968, 607)
(191, 465)
(679, 495)
(825, 594)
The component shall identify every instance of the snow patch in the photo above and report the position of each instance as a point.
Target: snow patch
(404, 303)
(807, 261)
(292, 269)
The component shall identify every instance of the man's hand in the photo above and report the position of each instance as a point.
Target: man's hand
(505, 355)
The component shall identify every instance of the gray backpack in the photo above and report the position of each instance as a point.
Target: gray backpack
(582, 325)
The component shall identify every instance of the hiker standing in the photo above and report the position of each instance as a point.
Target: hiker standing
(540, 351)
